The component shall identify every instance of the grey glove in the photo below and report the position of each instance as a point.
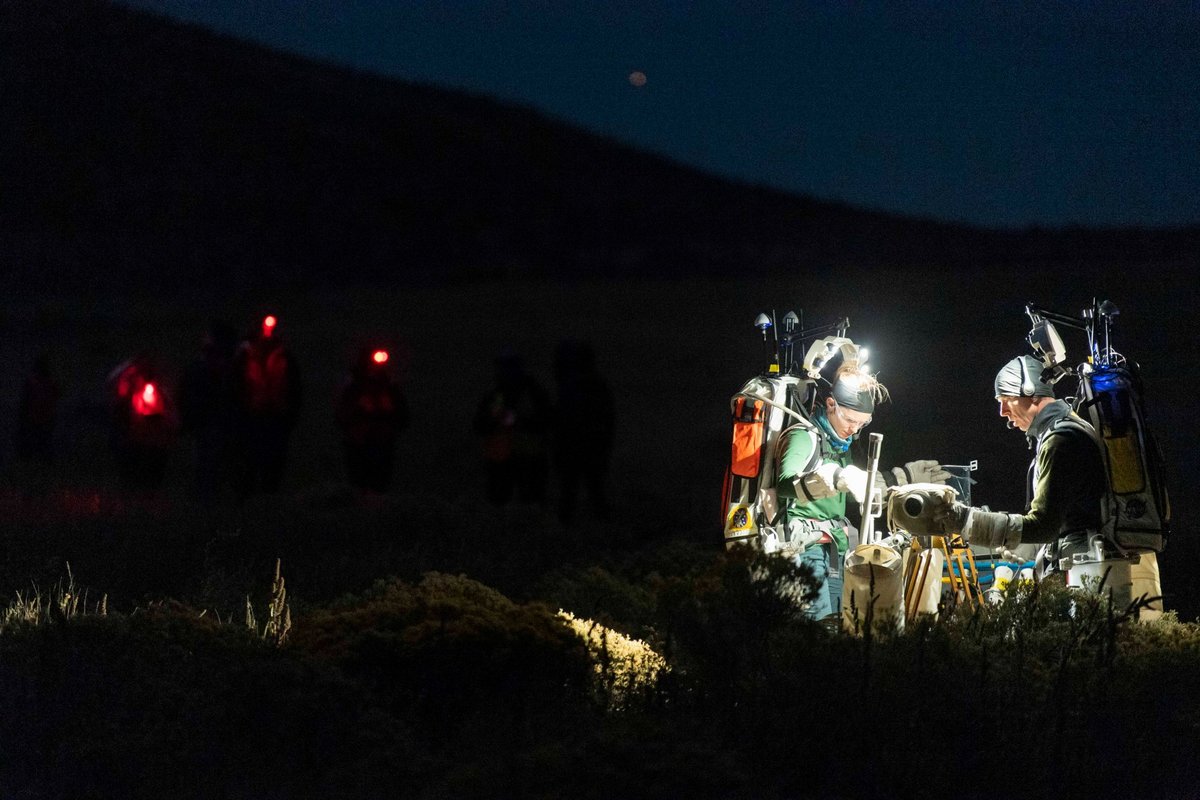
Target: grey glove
(881, 484)
(922, 471)
(993, 528)
(952, 518)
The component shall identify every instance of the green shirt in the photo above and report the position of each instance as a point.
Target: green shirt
(802, 450)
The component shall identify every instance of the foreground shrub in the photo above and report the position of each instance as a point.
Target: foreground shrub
(453, 655)
(1056, 692)
(447, 688)
(724, 624)
(167, 703)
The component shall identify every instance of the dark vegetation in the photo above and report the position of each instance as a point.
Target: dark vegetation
(434, 685)
(156, 176)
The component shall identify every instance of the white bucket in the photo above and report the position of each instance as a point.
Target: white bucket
(1086, 573)
(923, 569)
(1146, 583)
(1002, 576)
(878, 568)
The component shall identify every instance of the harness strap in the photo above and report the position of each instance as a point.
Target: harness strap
(826, 525)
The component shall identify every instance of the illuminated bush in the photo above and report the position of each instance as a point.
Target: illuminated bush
(624, 667)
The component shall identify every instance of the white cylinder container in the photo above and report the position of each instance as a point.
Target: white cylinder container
(874, 580)
(1086, 572)
(1146, 583)
(924, 582)
(1002, 575)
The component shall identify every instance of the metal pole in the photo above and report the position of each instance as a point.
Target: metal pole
(874, 445)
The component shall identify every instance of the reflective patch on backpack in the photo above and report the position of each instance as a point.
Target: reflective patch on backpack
(739, 520)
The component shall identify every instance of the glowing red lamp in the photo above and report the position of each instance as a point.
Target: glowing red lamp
(148, 401)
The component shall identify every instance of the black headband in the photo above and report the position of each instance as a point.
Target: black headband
(847, 397)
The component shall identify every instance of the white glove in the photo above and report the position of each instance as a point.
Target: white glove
(923, 471)
(830, 479)
(853, 480)
(1009, 555)
(993, 528)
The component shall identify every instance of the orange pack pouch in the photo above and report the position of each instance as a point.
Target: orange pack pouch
(748, 420)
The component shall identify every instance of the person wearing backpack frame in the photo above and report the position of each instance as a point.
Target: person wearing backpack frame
(1066, 478)
(815, 476)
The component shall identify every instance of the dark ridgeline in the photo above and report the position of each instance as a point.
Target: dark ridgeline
(138, 147)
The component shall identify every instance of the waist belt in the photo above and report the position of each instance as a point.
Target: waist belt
(1050, 554)
(825, 526)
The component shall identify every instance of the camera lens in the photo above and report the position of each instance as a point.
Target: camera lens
(913, 506)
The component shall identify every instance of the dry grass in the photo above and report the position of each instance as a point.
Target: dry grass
(64, 601)
(279, 614)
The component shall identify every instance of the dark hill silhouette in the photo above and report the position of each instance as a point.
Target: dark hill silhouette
(139, 147)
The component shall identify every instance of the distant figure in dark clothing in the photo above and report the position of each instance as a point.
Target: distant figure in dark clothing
(143, 424)
(206, 405)
(267, 392)
(38, 413)
(584, 423)
(371, 413)
(512, 422)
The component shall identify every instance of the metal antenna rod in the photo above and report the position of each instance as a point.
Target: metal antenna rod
(874, 445)
(1108, 310)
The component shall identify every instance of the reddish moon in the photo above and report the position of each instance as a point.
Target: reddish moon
(637, 78)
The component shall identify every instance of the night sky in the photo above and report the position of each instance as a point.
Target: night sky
(997, 114)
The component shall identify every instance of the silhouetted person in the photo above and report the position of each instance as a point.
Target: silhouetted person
(371, 412)
(267, 393)
(584, 423)
(143, 424)
(513, 421)
(38, 413)
(206, 405)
